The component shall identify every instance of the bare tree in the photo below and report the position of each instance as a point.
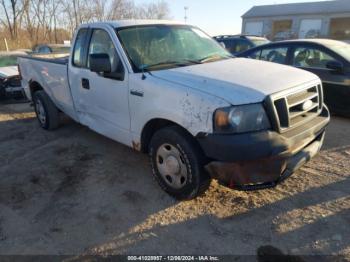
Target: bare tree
(56, 20)
(82, 11)
(99, 9)
(158, 10)
(12, 11)
(122, 9)
(28, 20)
(41, 20)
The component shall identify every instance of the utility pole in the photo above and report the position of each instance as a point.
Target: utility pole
(186, 9)
(6, 45)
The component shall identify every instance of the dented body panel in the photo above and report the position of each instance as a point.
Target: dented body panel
(51, 75)
(182, 105)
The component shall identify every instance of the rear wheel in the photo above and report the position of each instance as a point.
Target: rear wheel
(46, 111)
(178, 163)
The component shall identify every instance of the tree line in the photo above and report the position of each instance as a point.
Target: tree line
(26, 23)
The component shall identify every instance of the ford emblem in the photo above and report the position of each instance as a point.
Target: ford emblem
(307, 105)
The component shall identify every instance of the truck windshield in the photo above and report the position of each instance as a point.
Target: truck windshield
(157, 47)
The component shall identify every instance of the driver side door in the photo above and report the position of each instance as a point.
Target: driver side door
(102, 99)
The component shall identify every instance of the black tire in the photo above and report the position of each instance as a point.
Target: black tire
(52, 115)
(191, 158)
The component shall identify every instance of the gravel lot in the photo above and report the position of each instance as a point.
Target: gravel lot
(73, 192)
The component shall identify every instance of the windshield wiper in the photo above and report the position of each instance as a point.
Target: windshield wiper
(170, 63)
(213, 58)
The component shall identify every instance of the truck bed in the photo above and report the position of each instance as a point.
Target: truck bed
(51, 74)
(50, 58)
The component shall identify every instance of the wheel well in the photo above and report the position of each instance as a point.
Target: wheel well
(34, 86)
(152, 127)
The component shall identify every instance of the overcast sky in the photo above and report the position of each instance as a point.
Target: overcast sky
(216, 16)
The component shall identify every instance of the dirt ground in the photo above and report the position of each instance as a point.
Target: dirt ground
(73, 192)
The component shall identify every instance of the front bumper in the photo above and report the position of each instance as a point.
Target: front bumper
(262, 159)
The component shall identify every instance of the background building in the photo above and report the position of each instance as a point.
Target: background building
(329, 19)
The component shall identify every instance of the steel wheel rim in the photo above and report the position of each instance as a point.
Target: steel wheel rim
(171, 166)
(40, 111)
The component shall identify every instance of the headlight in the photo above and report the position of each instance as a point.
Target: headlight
(241, 119)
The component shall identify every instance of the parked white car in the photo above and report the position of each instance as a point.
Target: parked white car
(170, 90)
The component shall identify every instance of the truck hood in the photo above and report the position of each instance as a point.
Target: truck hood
(238, 80)
(8, 71)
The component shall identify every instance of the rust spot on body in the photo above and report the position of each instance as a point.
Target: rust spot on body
(136, 146)
(247, 172)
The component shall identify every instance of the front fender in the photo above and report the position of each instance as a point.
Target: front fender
(189, 108)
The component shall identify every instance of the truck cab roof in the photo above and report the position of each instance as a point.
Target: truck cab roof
(134, 22)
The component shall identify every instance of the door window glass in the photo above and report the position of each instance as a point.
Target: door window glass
(235, 46)
(101, 43)
(275, 55)
(255, 55)
(311, 58)
(230, 45)
(44, 50)
(78, 54)
(242, 45)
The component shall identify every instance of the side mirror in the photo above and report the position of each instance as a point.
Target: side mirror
(223, 44)
(100, 63)
(335, 66)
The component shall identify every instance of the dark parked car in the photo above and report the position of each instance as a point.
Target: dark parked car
(239, 43)
(329, 59)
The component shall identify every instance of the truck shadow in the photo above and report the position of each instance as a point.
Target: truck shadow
(71, 182)
(257, 228)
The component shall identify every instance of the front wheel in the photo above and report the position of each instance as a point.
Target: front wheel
(46, 111)
(178, 163)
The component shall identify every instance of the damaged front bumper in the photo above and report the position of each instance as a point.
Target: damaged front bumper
(261, 160)
(10, 87)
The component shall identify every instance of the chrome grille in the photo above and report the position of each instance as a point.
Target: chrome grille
(290, 109)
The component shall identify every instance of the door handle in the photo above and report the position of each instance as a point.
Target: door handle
(136, 93)
(85, 83)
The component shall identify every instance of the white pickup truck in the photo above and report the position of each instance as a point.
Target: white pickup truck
(168, 89)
